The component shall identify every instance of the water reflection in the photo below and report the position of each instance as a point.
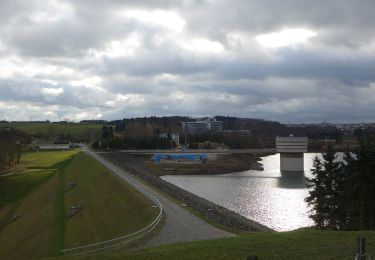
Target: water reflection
(270, 197)
(292, 180)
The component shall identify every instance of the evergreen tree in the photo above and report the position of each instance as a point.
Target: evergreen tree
(344, 191)
(107, 132)
(342, 195)
(95, 145)
(332, 175)
(317, 199)
(324, 196)
(361, 184)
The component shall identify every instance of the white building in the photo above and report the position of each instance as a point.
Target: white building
(202, 126)
(174, 136)
(291, 151)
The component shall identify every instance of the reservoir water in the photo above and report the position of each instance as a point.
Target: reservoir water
(269, 197)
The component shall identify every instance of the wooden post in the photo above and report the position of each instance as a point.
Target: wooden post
(361, 248)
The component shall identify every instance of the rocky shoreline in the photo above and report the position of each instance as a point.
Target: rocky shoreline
(216, 213)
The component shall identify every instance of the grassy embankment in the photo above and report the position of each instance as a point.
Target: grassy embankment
(34, 206)
(301, 244)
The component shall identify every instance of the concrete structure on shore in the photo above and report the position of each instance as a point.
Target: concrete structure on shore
(291, 151)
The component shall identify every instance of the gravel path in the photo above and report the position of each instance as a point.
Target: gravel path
(180, 224)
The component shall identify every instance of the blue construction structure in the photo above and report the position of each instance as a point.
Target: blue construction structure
(189, 157)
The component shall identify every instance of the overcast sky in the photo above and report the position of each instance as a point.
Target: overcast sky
(285, 60)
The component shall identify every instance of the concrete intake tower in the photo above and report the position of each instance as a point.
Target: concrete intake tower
(291, 151)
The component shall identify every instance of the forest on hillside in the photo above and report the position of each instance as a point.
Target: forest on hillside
(144, 132)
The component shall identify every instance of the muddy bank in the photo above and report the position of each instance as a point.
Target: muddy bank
(224, 163)
(216, 213)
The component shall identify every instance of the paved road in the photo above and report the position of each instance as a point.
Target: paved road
(180, 224)
(210, 151)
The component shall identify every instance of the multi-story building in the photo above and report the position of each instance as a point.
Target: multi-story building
(202, 126)
(215, 126)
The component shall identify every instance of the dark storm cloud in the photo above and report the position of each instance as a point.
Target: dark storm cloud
(111, 59)
(318, 64)
(305, 64)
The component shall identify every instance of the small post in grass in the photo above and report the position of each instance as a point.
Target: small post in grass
(208, 212)
(361, 249)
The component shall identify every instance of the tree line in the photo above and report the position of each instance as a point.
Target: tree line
(147, 126)
(342, 195)
(12, 142)
(133, 143)
(109, 141)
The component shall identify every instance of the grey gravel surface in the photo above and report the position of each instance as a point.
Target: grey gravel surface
(180, 224)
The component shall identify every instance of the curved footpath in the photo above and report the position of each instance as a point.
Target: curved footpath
(180, 224)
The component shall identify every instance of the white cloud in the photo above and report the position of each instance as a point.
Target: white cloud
(52, 92)
(120, 47)
(14, 66)
(286, 37)
(87, 81)
(202, 45)
(165, 19)
(50, 11)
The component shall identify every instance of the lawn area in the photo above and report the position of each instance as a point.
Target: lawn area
(38, 167)
(34, 205)
(301, 244)
(46, 159)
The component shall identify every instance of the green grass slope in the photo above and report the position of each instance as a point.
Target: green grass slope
(38, 199)
(301, 244)
(30, 197)
(110, 207)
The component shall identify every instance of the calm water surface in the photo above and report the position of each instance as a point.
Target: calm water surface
(269, 197)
